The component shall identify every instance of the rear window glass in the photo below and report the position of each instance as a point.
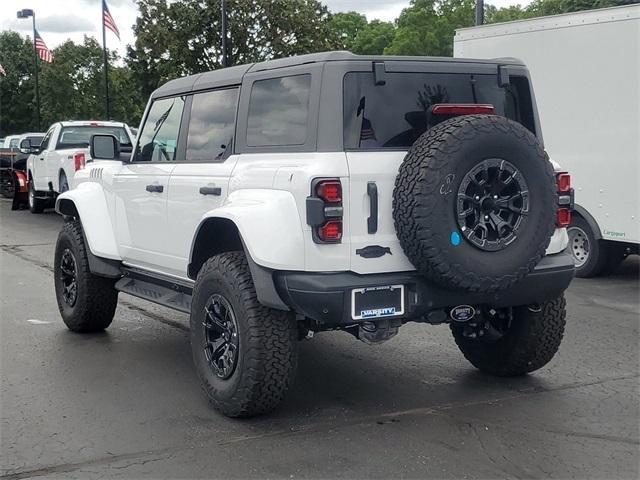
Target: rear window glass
(278, 111)
(79, 136)
(394, 115)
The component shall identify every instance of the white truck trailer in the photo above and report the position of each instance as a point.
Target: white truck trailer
(585, 69)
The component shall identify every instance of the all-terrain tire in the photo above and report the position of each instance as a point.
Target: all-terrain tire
(36, 205)
(96, 297)
(267, 341)
(530, 342)
(426, 198)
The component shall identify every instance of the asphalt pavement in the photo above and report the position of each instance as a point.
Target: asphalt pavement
(126, 403)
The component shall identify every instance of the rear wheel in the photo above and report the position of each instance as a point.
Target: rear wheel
(245, 353)
(592, 256)
(36, 205)
(87, 302)
(63, 183)
(513, 342)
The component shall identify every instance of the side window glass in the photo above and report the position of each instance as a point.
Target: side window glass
(211, 125)
(159, 135)
(278, 111)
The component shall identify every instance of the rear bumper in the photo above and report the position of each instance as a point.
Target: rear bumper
(326, 297)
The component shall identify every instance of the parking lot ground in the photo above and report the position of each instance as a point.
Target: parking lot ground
(126, 403)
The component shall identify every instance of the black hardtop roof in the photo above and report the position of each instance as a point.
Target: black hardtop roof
(233, 75)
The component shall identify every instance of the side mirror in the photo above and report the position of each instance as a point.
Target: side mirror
(26, 147)
(104, 147)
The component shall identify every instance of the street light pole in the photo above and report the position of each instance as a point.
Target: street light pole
(26, 13)
(479, 12)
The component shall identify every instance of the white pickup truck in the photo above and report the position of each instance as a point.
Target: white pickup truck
(63, 151)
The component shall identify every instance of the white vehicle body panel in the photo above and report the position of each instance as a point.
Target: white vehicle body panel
(94, 203)
(187, 207)
(381, 168)
(141, 216)
(585, 69)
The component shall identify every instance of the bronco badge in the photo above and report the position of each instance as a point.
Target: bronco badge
(462, 313)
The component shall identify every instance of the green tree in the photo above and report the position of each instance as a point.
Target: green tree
(541, 8)
(374, 38)
(72, 87)
(17, 102)
(505, 14)
(427, 27)
(181, 38)
(346, 27)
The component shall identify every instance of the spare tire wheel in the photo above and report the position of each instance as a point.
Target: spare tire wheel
(474, 203)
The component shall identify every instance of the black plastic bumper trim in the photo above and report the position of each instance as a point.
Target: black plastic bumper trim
(326, 297)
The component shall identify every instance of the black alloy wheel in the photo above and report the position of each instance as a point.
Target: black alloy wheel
(221, 336)
(493, 201)
(69, 277)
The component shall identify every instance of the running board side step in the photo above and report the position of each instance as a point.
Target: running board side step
(156, 289)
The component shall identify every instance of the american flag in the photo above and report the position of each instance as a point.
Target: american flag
(2, 71)
(43, 52)
(108, 20)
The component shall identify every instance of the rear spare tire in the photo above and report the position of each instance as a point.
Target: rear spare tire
(474, 203)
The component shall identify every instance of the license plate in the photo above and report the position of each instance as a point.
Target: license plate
(377, 302)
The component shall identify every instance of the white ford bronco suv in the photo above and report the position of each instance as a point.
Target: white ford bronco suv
(327, 192)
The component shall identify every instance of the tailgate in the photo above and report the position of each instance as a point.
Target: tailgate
(371, 172)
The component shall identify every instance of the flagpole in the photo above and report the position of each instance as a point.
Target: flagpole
(225, 53)
(106, 73)
(35, 62)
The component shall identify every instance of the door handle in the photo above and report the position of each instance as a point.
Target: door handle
(217, 191)
(372, 221)
(41, 158)
(155, 188)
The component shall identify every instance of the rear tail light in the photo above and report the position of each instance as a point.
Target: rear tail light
(329, 190)
(330, 232)
(324, 210)
(565, 199)
(78, 160)
(462, 109)
(563, 217)
(563, 181)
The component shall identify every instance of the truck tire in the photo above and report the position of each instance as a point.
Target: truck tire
(87, 302)
(593, 257)
(245, 353)
(63, 183)
(36, 205)
(530, 341)
(474, 203)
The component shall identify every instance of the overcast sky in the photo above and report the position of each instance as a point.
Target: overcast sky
(59, 20)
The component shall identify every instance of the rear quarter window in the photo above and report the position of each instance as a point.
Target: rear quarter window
(279, 111)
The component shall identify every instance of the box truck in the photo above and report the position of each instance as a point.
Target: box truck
(585, 70)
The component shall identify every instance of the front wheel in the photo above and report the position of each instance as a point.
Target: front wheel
(87, 302)
(593, 257)
(245, 353)
(511, 342)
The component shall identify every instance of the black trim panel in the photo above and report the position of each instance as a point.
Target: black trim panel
(325, 297)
